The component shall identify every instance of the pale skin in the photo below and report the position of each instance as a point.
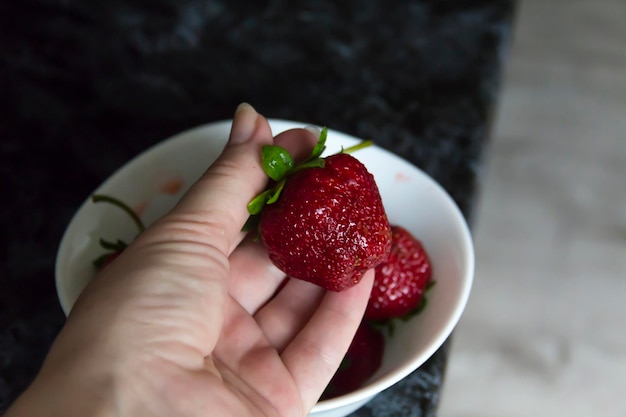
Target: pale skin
(184, 324)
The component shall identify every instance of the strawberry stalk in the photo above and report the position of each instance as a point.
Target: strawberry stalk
(97, 198)
(357, 147)
(114, 248)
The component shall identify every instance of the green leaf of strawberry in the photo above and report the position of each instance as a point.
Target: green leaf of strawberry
(256, 205)
(320, 146)
(97, 198)
(117, 245)
(113, 249)
(276, 161)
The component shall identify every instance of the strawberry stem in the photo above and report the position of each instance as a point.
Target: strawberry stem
(358, 146)
(314, 163)
(97, 198)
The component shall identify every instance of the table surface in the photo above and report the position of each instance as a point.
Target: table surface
(85, 87)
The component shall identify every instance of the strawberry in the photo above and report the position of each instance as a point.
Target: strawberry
(361, 361)
(114, 249)
(107, 259)
(322, 221)
(401, 280)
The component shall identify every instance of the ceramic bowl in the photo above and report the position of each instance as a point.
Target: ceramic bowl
(154, 181)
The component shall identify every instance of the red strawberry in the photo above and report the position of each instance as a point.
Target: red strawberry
(110, 257)
(362, 360)
(324, 220)
(114, 249)
(401, 280)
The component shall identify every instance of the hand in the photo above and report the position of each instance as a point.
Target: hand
(183, 323)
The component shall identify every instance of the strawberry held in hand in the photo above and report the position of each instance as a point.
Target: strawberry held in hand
(401, 280)
(322, 221)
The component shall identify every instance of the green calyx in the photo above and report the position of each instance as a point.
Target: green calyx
(278, 164)
(99, 198)
(111, 248)
(118, 245)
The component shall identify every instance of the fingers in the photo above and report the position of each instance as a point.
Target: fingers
(253, 278)
(287, 313)
(316, 352)
(298, 142)
(216, 205)
(180, 263)
(218, 201)
(248, 362)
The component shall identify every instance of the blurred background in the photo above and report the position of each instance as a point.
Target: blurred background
(544, 332)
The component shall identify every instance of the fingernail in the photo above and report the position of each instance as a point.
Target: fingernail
(313, 129)
(244, 123)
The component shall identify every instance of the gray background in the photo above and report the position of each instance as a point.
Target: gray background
(544, 333)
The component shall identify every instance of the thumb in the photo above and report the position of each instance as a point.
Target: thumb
(217, 202)
(180, 263)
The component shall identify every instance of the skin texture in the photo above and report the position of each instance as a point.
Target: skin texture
(362, 360)
(181, 323)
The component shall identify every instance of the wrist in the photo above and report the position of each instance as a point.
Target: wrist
(64, 395)
(74, 382)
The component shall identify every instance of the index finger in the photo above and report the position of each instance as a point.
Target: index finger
(314, 354)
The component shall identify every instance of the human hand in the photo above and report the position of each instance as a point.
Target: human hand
(184, 322)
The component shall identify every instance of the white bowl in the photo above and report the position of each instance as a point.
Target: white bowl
(153, 182)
